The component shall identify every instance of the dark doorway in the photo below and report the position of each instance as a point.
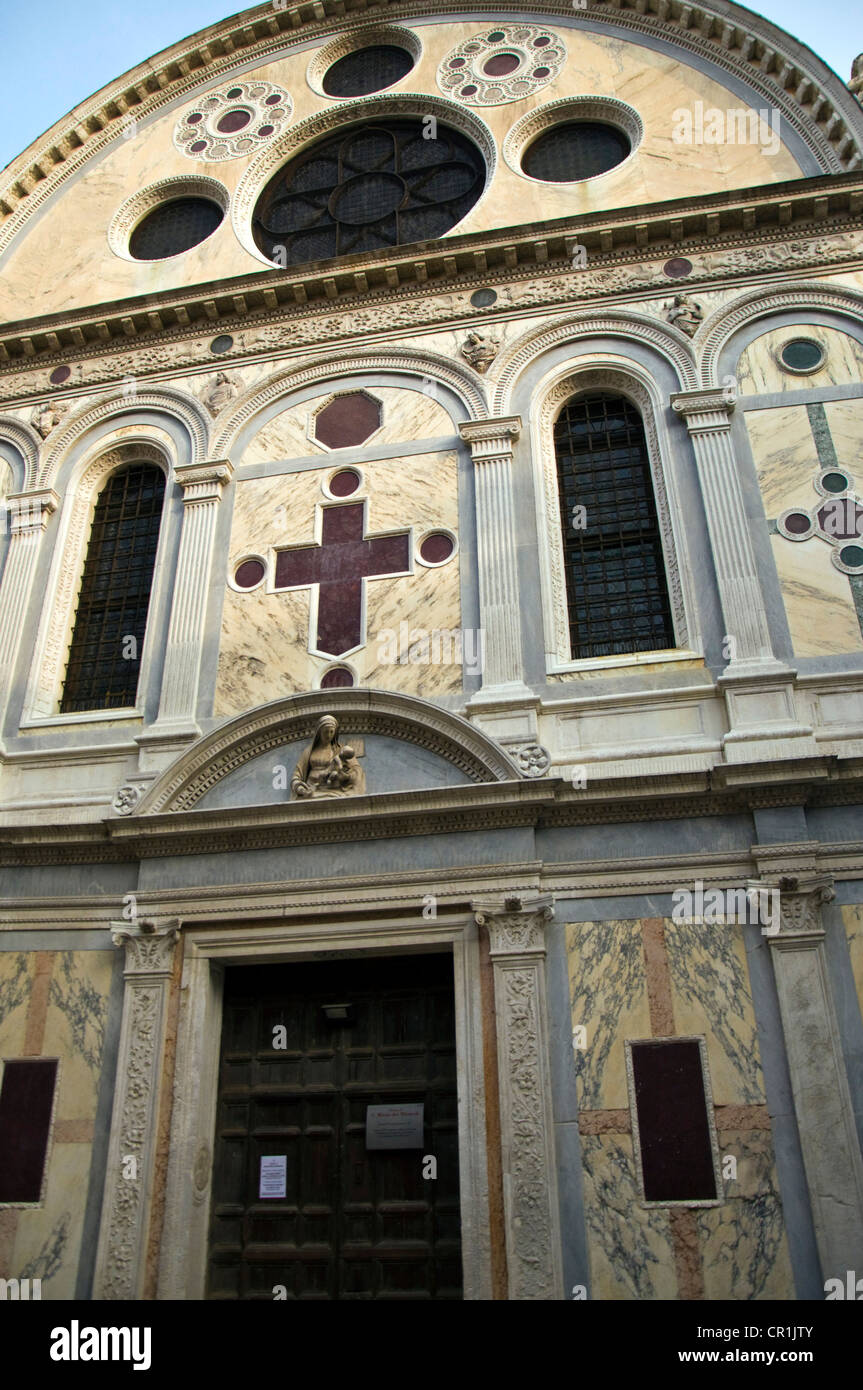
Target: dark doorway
(345, 1221)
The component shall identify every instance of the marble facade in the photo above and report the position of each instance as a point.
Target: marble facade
(533, 818)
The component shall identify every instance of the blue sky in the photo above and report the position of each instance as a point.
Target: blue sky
(56, 53)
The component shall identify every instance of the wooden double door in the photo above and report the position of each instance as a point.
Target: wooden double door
(340, 1220)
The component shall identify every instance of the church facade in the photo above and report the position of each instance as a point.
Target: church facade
(431, 663)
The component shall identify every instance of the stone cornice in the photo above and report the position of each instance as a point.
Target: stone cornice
(545, 803)
(811, 97)
(747, 218)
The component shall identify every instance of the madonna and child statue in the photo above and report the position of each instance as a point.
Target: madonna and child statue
(327, 767)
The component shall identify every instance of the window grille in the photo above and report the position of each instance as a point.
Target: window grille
(104, 664)
(617, 593)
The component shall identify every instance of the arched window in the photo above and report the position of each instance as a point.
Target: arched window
(111, 617)
(615, 573)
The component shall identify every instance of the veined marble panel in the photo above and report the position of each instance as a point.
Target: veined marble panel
(710, 995)
(845, 419)
(47, 1238)
(818, 602)
(785, 456)
(263, 653)
(406, 415)
(852, 916)
(630, 1245)
(16, 977)
(608, 992)
(75, 1026)
(759, 370)
(743, 1242)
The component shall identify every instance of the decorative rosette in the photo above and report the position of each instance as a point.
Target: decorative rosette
(501, 65)
(237, 121)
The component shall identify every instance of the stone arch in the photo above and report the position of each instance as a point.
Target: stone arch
(462, 380)
(26, 444)
(633, 381)
(247, 736)
(720, 327)
(669, 342)
(169, 400)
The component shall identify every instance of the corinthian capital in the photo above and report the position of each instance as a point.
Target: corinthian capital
(708, 409)
(800, 903)
(490, 439)
(149, 948)
(203, 482)
(516, 926)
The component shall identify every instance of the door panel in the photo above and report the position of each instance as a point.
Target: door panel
(354, 1223)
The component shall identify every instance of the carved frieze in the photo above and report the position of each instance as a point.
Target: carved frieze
(149, 956)
(407, 307)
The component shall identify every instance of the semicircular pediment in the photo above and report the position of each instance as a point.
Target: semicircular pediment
(435, 735)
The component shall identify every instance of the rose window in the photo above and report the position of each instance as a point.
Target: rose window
(372, 188)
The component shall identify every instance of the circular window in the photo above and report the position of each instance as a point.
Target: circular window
(575, 150)
(174, 227)
(802, 355)
(677, 268)
(482, 299)
(368, 189)
(223, 343)
(59, 375)
(367, 70)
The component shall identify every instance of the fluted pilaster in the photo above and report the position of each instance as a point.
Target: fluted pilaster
(708, 420)
(202, 486)
(29, 513)
(491, 444)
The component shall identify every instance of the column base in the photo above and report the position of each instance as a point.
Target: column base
(512, 692)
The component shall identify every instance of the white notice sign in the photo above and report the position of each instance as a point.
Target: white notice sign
(394, 1126)
(273, 1176)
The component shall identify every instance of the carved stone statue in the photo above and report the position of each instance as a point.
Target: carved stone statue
(327, 767)
(685, 312)
(220, 392)
(47, 417)
(856, 83)
(480, 352)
